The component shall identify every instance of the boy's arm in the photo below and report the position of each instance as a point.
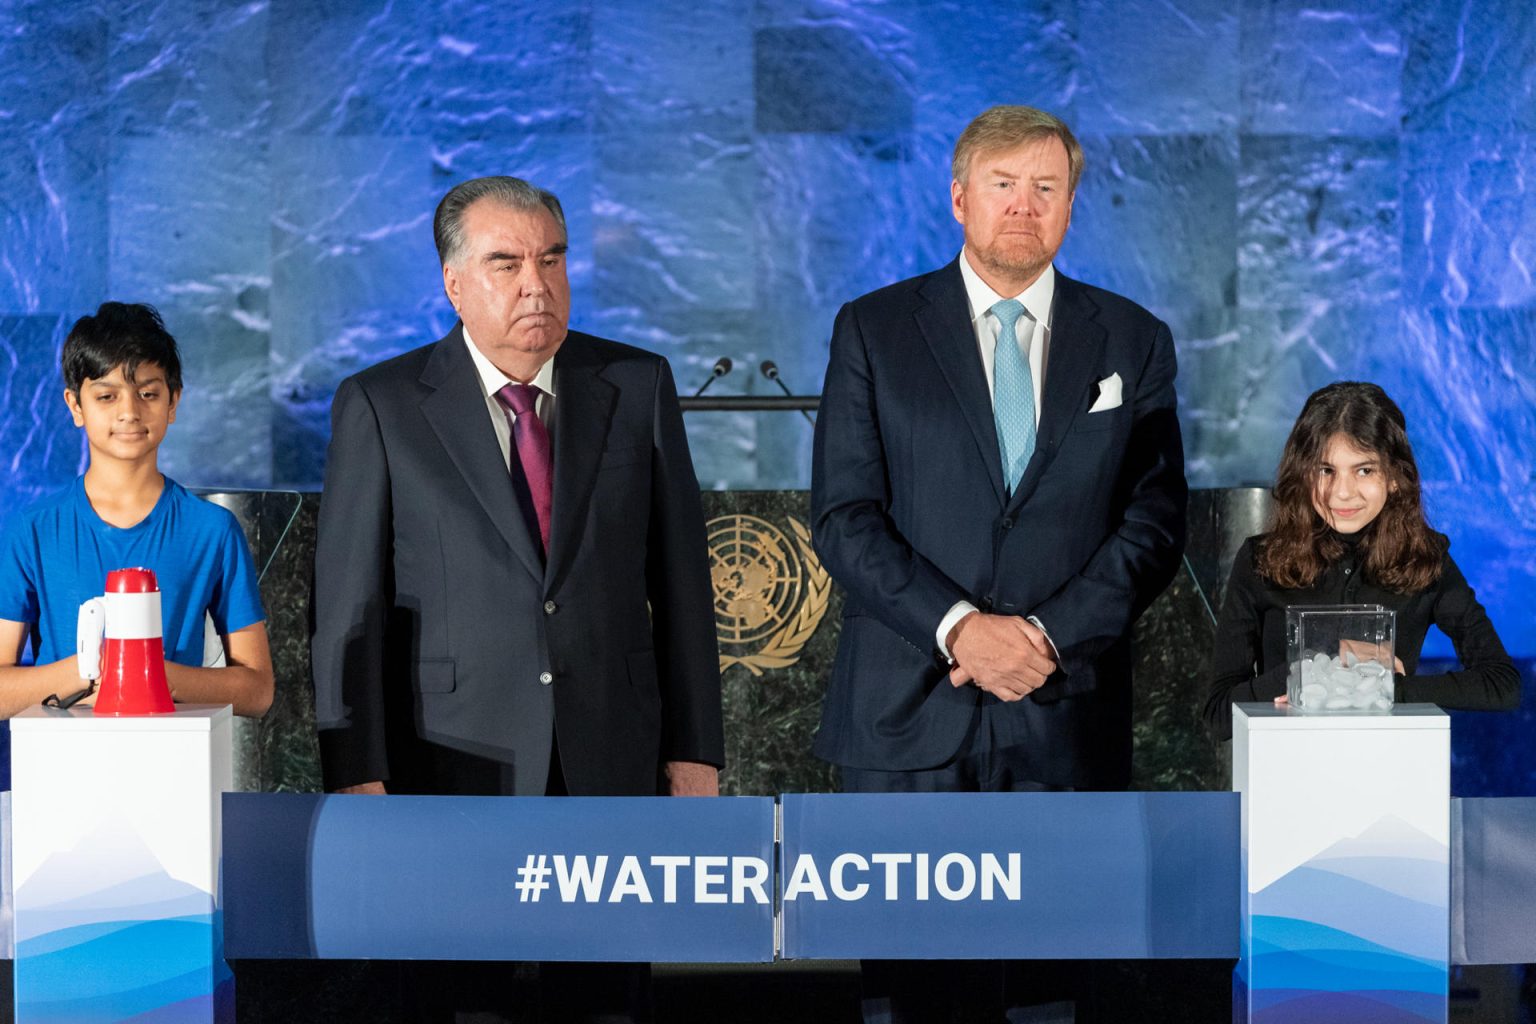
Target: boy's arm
(22, 686)
(246, 682)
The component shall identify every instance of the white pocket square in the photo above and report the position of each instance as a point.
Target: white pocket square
(1109, 394)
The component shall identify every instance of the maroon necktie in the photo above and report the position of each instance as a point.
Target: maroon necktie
(532, 442)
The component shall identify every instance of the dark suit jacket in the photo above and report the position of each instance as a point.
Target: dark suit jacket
(911, 516)
(436, 618)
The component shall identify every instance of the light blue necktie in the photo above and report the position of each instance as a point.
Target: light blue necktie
(1013, 394)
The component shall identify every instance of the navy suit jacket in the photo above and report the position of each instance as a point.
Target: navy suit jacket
(911, 515)
(437, 617)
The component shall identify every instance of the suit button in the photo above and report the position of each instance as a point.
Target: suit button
(546, 678)
(549, 607)
(1007, 524)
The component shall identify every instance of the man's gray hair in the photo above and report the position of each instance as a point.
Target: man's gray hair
(1008, 126)
(513, 193)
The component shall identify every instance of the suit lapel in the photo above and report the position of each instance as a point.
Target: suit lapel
(457, 413)
(1077, 347)
(584, 405)
(945, 323)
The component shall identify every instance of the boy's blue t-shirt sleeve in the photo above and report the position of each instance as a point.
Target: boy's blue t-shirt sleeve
(236, 601)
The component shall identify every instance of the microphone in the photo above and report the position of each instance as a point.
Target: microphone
(770, 369)
(720, 369)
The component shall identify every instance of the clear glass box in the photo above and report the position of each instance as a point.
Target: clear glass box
(1341, 657)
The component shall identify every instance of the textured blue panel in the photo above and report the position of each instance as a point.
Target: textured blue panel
(42, 449)
(53, 70)
(354, 276)
(1467, 382)
(1157, 68)
(1242, 380)
(350, 67)
(851, 73)
(1318, 221)
(494, 69)
(1321, 70)
(222, 436)
(189, 66)
(53, 61)
(1154, 218)
(672, 64)
(53, 220)
(673, 220)
(1469, 219)
(839, 216)
(1469, 65)
(352, 230)
(183, 227)
(971, 56)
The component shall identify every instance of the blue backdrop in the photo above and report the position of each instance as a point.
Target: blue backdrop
(1305, 191)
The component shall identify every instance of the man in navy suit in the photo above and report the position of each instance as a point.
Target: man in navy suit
(998, 485)
(512, 587)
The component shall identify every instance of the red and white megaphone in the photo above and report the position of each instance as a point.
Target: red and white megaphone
(131, 662)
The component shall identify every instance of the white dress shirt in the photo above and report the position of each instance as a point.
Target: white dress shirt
(493, 380)
(1034, 344)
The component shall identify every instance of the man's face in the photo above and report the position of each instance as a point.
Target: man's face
(509, 286)
(1015, 206)
(124, 419)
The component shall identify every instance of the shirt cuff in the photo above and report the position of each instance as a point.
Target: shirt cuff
(960, 610)
(1032, 620)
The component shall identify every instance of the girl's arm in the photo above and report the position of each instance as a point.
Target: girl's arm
(1235, 653)
(1487, 680)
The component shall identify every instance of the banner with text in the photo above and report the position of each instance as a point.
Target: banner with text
(498, 878)
(1047, 875)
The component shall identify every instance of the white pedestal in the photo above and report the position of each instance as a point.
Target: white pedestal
(115, 864)
(1346, 865)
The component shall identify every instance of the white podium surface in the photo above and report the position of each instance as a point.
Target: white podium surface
(115, 865)
(1346, 864)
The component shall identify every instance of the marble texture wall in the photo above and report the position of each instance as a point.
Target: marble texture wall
(1305, 191)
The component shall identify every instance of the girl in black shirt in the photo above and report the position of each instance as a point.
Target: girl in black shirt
(1349, 528)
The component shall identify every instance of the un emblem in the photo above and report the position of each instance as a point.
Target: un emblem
(770, 592)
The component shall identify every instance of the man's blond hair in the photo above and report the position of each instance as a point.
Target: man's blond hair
(1008, 127)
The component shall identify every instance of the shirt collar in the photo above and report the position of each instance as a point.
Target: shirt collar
(493, 380)
(1037, 297)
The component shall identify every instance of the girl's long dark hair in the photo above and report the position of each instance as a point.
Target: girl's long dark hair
(1399, 550)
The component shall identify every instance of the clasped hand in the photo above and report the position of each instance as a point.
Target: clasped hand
(1007, 656)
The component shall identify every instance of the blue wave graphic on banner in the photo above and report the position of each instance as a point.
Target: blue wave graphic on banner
(150, 971)
(1305, 1007)
(1402, 923)
(1353, 935)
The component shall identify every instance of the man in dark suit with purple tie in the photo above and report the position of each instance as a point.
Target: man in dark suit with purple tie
(998, 484)
(512, 592)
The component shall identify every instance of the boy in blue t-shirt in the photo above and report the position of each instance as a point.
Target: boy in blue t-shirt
(122, 380)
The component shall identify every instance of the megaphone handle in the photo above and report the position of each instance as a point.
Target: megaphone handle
(89, 630)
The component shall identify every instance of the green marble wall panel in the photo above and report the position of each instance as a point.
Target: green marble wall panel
(777, 615)
(279, 751)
